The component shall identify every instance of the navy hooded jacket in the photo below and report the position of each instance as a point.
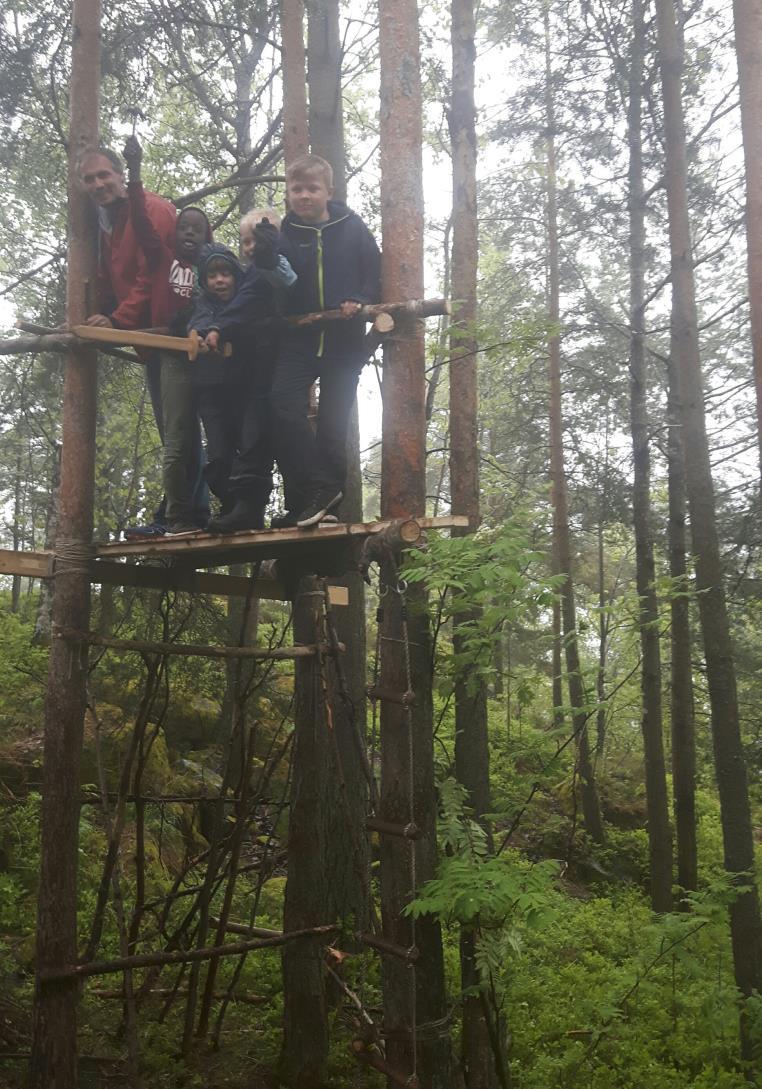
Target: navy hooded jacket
(333, 262)
(213, 367)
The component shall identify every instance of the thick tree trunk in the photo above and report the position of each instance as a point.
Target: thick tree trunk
(54, 1041)
(746, 932)
(681, 669)
(659, 831)
(747, 16)
(403, 491)
(562, 537)
(471, 736)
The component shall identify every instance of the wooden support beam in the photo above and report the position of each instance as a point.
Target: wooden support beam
(389, 948)
(249, 931)
(184, 956)
(389, 828)
(41, 565)
(169, 992)
(385, 695)
(190, 650)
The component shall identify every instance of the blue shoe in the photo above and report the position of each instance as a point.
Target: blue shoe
(153, 529)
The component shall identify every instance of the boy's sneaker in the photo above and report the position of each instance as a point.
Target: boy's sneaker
(153, 529)
(283, 521)
(317, 510)
(244, 515)
(178, 529)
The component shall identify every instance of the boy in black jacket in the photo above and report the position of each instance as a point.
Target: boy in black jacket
(338, 265)
(239, 455)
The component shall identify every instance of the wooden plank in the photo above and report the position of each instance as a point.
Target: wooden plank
(188, 579)
(262, 542)
(194, 650)
(34, 565)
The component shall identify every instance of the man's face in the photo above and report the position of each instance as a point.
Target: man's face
(308, 196)
(190, 235)
(220, 280)
(101, 180)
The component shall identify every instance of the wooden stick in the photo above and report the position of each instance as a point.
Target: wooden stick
(415, 308)
(406, 1081)
(250, 931)
(182, 956)
(190, 650)
(46, 330)
(166, 992)
(139, 338)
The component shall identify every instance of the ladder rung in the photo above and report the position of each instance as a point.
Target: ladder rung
(383, 945)
(388, 828)
(406, 1081)
(406, 699)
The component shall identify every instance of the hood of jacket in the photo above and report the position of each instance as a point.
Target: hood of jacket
(216, 249)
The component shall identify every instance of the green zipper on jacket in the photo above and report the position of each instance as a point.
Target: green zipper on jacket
(321, 276)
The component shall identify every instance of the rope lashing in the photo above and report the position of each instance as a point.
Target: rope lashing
(73, 556)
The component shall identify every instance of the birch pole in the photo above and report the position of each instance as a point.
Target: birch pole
(54, 1041)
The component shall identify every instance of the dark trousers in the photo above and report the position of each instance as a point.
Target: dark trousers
(239, 448)
(174, 410)
(312, 462)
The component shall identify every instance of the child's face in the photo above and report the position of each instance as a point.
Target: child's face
(308, 196)
(220, 280)
(190, 235)
(247, 244)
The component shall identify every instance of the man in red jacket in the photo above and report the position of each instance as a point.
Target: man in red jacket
(130, 288)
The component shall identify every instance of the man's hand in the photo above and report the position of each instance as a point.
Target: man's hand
(212, 341)
(100, 320)
(133, 156)
(350, 307)
(265, 245)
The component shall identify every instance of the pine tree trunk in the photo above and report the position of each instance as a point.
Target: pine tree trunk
(54, 1029)
(417, 996)
(681, 669)
(326, 115)
(730, 766)
(747, 16)
(471, 736)
(295, 138)
(562, 537)
(659, 831)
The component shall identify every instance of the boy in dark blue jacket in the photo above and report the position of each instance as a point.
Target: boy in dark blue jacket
(338, 265)
(231, 399)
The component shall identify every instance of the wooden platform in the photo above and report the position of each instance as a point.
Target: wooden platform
(171, 563)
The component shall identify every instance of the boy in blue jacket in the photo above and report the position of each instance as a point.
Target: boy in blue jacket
(233, 391)
(338, 265)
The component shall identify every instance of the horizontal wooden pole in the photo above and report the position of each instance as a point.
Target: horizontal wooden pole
(388, 828)
(414, 308)
(190, 650)
(390, 948)
(169, 992)
(250, 931)
(184, 956)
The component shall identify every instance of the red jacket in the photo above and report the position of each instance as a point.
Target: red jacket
(126, 275)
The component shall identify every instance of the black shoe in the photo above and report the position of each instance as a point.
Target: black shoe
(244, 515)
(178, 529)
(153, 529)
(283, 521)
(317, 510)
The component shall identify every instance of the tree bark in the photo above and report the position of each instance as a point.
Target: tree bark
(403, 492)
(659, 831)
(326, 114)
(730, 766)
(295, 139)
(54, 1040)
(471, 735)
(747, 17)
(681, 669)
(590, 805)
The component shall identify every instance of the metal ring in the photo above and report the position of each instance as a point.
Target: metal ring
(401, 586)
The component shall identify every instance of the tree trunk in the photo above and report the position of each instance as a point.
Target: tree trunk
(590, 806)
(305, 1018)
(295, 139)
(730, 766)
(747, 17)
(659, 831)
(326, 116)
(681, 669)
(54, 1039)
(471, 736)
(403, 492)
